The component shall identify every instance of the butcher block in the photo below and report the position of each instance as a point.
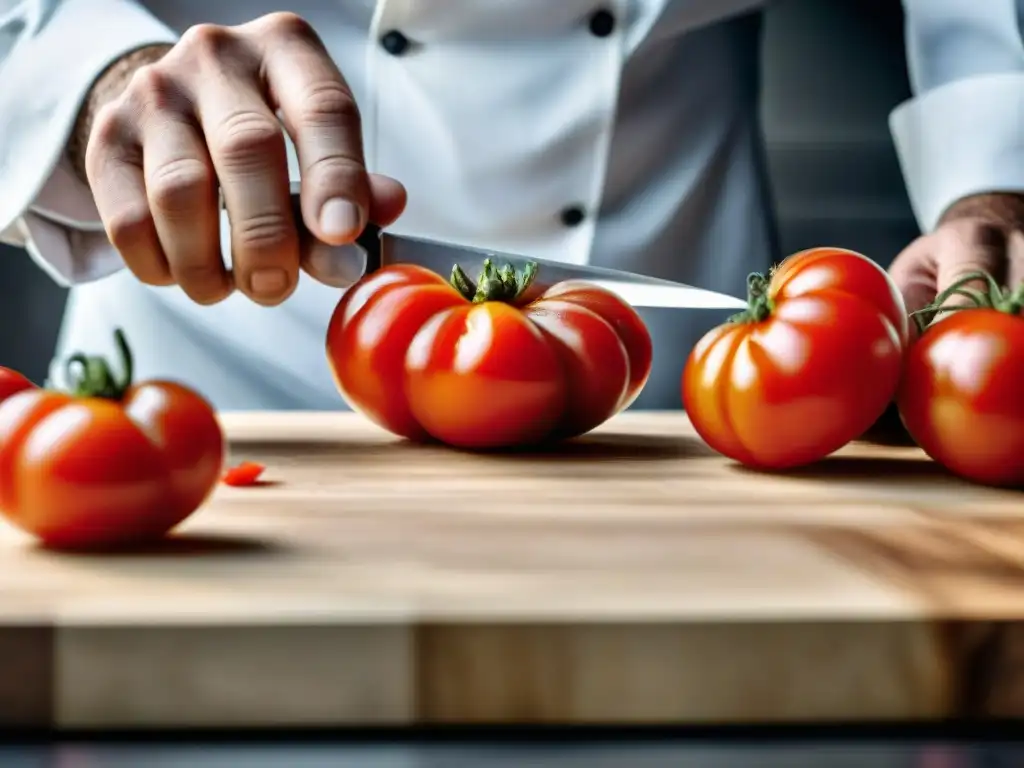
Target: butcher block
(629, 577)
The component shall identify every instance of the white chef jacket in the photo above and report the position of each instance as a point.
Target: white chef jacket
(500, 117)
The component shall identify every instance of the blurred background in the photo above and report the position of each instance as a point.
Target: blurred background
(833, 71)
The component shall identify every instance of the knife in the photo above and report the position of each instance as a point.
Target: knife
(341, 266)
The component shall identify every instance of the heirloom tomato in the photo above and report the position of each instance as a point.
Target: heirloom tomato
(960, 398)
(476, 366)
(810, 364)
(110, 463)
(12, 382)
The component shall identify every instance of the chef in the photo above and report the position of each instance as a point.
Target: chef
(621, 133)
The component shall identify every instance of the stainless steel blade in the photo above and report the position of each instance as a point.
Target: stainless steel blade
(638, 290)
(341, 266)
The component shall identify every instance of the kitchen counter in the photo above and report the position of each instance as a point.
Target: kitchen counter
(630, 577)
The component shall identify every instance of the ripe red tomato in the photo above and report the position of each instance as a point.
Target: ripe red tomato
(809, 366)
(960, 397)
(12, 382)
(110, 464)
(473, 367)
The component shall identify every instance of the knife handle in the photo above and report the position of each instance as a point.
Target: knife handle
(369, 243)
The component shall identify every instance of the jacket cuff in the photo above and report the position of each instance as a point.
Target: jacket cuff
(46, 76)
(962, 138)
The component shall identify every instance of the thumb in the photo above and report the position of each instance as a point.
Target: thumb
(387, 199)
(341, 266)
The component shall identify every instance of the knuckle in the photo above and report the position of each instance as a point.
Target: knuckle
(180, 185)
(152, 87)
(329, 104)
(111, 136)
(247, 138)
(949, 235)
(207, 40)
(108, 126)
(270, 231)
(146, 78)
(292, 26)
(339, 173)
(129, 227)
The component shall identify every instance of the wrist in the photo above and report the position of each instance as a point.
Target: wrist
(1001, 209)
(107, 87)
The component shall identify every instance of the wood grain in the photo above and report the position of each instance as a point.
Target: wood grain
(631, 576)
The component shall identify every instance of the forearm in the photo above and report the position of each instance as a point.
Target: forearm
(108, 86)
(960, 135)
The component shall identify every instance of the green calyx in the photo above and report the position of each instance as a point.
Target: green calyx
(505, 284)
(92, 376)
(759, 304)
(993, 297)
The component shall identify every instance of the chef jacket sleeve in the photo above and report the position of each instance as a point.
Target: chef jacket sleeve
(963, 132)
(51, 52)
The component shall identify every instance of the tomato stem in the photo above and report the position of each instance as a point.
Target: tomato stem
(91, 375)
(505, 284)
(994, 297)
(1015, 301)
(759, 304)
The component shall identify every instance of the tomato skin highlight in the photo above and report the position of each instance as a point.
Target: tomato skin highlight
(490, 359)
(184, 428)
(369, 334)
(820, 366)
(624, 319)
(99, 472)
(424, 360)
(819, 269)
(960, 397)
(594, 359)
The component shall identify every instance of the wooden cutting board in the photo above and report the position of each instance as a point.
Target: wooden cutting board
(630, 577)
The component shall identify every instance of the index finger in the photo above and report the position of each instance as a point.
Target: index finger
(320, 114)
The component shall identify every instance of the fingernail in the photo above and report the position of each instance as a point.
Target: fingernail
(339, 218)
(269, 282)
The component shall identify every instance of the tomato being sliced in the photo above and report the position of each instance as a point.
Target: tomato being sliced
(808, 367)
(111, 463)
(960, 397)
(12, 382)
(475, 366)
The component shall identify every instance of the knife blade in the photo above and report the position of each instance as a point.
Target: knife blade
(638, 290)
(341, 266)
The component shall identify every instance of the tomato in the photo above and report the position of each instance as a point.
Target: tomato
(960, 397)
(808, 367)
(244, 474)
(474, 366)
(12, 382)
(111, 463)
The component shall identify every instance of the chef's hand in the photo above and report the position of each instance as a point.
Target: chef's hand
(166, 126)
(978, 233)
